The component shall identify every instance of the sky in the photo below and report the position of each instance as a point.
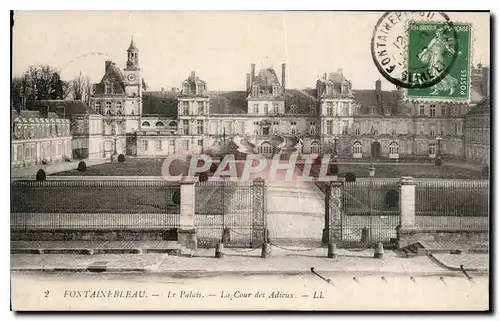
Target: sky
(219, 46)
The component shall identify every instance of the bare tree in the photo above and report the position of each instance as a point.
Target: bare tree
(81, 87)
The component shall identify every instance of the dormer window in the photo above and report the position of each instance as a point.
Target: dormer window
(186, 89)
(108, 88)
(200, 89)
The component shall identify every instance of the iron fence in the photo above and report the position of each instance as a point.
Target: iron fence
(94, 205)
(369, 212)
(231, 212)
(452, 204)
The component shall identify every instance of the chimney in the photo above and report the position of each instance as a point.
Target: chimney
(162, 88)
(248, 82)
(193, 74)
(252, 76)
(107, 63)
(283, 76)
(325, 76)
(378, 92)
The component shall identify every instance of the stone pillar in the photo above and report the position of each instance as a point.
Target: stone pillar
(332, 232)
(186, 233)
(407, 203)
(259, 226)
(407, 228)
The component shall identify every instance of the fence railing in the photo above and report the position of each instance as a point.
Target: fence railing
(229, 212)
(94, 204)
(452, 204)
(370, 212)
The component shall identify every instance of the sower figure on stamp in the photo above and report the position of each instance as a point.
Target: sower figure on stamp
(432, 55)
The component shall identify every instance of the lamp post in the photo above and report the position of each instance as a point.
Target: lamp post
(438, 160)
(438, 153)
(335, 138)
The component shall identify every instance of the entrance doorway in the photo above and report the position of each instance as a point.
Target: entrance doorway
(375, 149)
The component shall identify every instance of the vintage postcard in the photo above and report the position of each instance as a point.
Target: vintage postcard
(250, 160)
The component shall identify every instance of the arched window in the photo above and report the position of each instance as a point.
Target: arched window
(159, 124)
(145, 124)
(266, 148)
(357, 148)
(314, 148)
(172, 124)
(394, 148)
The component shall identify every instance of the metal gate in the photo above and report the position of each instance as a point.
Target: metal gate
(230, 212)
(364, 213)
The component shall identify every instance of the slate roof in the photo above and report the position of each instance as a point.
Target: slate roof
(367, 98)
(300, 98)
(267, 78)
(114, 75)
(482, 108)
(159, 103)
(228, 102)
(71, 107)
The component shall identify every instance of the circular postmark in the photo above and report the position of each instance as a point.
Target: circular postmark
(414, 49)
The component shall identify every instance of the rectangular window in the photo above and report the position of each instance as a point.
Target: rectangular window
(345, 127)
(200, 108)
(185, 125)
(422, 110)
(346, 109)
(312, 128)
(98, 107)
(159, 145)
(357, 131)
(329, 127)
(200, 142)
(185, 107)
(293, 109)
(329, 109)
(266, 109)
(443, 110)
(199, 127)
(172, 143)
(275, 108)
(145, 145)
(255, 108)
(432, 111)
(108, 88)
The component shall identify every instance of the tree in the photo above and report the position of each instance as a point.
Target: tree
(81, 88)
(41, 82)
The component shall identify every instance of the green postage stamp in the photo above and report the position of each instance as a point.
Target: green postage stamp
(439, 50)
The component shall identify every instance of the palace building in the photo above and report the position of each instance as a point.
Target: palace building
(268, 118)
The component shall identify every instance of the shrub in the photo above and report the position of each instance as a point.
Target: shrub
(121, 158)
(350, 177)
(176, 198)
(40, 175)
(82, 166)
(203, 177)
(438, 161)
(485, 172)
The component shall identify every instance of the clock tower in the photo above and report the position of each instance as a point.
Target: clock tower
(133, 81)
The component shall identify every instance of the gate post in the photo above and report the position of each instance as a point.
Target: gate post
(406, 210)
(186, 233)
(333, 212)
(259, 224)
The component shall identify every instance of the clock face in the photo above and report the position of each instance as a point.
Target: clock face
(131, 77)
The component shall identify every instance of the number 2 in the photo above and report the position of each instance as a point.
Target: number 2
(46, 293)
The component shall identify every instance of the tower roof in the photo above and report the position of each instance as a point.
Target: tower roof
(132, 46)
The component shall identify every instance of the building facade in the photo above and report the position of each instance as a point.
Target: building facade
(39, 140)
(268, 118)
(477, 133)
